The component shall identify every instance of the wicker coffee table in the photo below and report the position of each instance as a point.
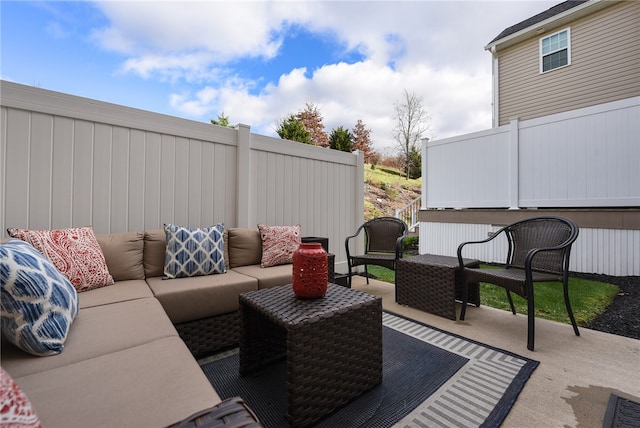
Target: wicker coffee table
(332, 345)
(432, 284)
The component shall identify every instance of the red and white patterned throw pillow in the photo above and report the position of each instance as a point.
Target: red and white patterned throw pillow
(279, 243)
(75, 252)
(15, 407)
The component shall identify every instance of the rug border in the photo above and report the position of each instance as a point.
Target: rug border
(498, 414)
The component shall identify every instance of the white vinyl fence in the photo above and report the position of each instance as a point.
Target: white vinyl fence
(586, 159)
(582, 158)
(67, 161)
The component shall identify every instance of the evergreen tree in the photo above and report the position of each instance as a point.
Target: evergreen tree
(341, 139)
(292, 129)
(312, 121)
(415, 163)
(222, 120)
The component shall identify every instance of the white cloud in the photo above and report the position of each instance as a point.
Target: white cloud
(434, 48)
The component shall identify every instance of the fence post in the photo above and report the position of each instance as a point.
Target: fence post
(243, 177)
(359, 191)
(514, 174)
(423, 203)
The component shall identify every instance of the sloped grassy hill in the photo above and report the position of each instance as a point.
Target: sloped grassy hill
(387, 190)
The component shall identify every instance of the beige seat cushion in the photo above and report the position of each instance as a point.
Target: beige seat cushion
(151, 385)
(121, 291)
(97, 331)
(123, 254)
(268, 277)
(245, 247)
(190, 299)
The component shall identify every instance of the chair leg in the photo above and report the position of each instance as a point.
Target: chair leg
(567, 303)
(349, 275)
(366, 274)
(531, 321)
(465, 298)
(513, 308)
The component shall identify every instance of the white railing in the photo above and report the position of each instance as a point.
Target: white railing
(409, 213)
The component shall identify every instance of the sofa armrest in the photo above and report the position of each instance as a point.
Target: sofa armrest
(230, 413)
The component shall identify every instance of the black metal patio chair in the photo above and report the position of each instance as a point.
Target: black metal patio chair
(383, 244)
(538, 251)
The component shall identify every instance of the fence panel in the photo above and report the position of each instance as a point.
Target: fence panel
(469, 171)
(67, 161)
(582, 158)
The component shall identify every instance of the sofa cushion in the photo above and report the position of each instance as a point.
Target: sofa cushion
(193, 251)
(75, 252)
(199, 297)
(14, 404)
(278, 244)
(98, 331)
(155, 244)
(38, 303)
(268, 277)
(123, 254)
(121, 291)
(245, 247)
(154, 384)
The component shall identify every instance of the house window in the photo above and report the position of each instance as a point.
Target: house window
(555, 51)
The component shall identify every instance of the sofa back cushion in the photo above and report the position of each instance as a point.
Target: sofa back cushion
(123, 254)
(245, 247)
(155, 245)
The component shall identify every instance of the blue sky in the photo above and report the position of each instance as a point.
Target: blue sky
(258, 61)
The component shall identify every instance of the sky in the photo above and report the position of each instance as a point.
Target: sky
(256, 62)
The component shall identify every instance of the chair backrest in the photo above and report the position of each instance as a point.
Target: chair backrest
(382, 234)
(541, 232)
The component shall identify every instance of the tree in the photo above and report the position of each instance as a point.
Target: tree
(411, 123)
(222, 120)
(374, 159)
(414, 163)
(341, 139)
(292, 129)
(312, 121)
(362, 140)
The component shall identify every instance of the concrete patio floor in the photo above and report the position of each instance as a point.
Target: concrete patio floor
(576, 375)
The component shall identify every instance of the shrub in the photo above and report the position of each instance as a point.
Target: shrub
(411, 243)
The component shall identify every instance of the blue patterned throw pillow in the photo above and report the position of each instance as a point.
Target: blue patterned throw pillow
(38, 303)
(194, 251)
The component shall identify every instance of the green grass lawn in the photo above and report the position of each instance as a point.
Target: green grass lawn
(588, 298)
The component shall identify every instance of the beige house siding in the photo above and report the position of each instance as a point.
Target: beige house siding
(605, 66)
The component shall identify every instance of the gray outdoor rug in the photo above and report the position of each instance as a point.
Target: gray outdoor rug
(431, 378)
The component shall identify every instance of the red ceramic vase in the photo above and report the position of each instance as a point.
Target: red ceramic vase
(310, 271)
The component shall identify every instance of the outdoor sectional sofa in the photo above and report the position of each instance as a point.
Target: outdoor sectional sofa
(128, 359)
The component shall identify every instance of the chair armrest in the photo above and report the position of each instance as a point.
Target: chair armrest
(232, 413)
(346, 241)
(399, 249)
(490, 238)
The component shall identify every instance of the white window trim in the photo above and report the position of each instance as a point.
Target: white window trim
(540, 56)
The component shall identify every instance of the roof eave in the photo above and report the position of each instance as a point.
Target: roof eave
(549, 24)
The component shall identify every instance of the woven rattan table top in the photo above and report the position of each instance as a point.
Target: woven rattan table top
(437, 260)
(280, 304)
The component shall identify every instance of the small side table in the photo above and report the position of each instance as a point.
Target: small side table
(332, 345)
(432, 283)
